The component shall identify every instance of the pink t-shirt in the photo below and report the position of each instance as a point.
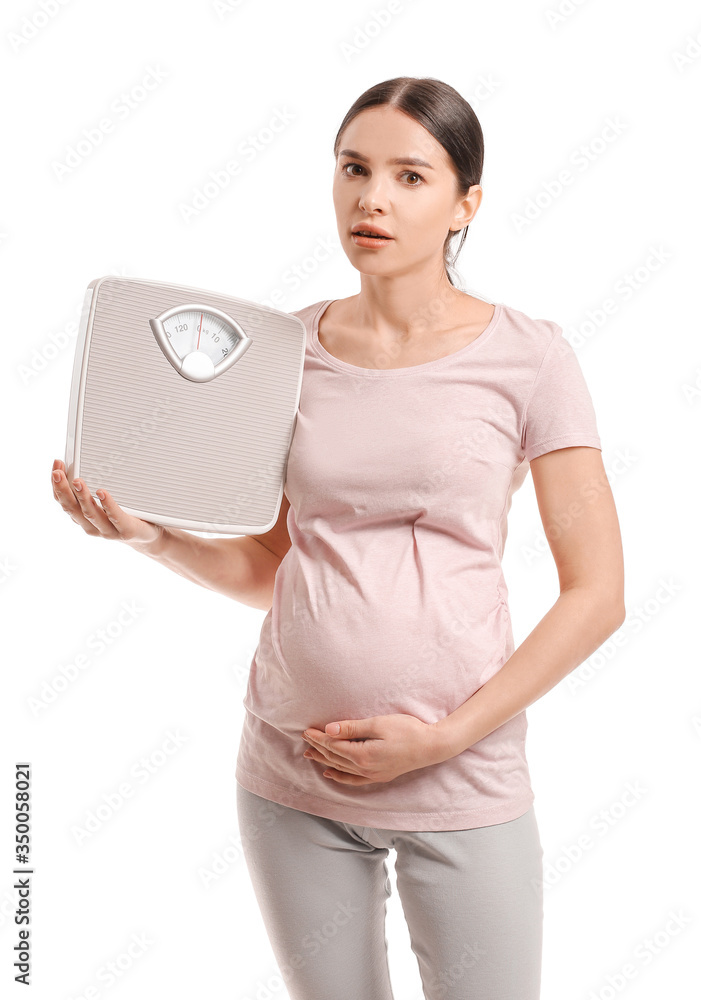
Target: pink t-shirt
(392, 598)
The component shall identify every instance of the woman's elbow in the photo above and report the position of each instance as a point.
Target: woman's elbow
(606, 606)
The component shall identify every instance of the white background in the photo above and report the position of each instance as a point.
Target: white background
(543, 88)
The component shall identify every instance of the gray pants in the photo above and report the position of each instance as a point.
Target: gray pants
(472, 899)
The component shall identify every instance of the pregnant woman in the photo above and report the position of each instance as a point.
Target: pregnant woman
(386, 702)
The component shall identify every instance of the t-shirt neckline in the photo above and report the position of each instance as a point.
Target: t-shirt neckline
(410, 369)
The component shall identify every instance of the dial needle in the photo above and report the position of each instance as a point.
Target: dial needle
(199, 332)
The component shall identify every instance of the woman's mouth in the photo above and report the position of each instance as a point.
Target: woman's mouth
(365, 238)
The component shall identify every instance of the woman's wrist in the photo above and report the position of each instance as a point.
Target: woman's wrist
(443, 744)
(154, 547)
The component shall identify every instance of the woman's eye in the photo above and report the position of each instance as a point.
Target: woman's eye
(411, 173)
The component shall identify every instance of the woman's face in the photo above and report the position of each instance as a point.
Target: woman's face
(416, 203)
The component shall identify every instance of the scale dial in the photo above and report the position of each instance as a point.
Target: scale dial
(200, 341)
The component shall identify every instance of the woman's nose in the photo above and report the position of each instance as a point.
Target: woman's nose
(372, 198)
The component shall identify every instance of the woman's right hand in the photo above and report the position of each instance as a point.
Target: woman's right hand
(108, 520)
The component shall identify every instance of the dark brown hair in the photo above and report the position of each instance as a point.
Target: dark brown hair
(448, 117)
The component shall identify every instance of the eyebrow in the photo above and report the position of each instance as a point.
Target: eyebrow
(413, 161)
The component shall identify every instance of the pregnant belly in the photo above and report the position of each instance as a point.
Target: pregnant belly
(316, 663)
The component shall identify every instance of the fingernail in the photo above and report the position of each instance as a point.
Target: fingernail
(56, 476)
(77, 484)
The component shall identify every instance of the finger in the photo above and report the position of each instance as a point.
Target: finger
(112, 510)
(67, 500)
(335, 754)
(59, 467)
(90, 510)
(348, 779)
(58, 474)
(329, 758)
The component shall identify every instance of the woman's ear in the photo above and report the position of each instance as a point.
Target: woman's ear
(466, 207)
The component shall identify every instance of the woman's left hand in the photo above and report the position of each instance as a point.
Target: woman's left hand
(376, 749)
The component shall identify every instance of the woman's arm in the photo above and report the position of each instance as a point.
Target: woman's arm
(580, 521)
(242, 568)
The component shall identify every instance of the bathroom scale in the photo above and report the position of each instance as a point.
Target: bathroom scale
(183, 403)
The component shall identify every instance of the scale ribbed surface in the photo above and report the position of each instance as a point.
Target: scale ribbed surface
(211, 452)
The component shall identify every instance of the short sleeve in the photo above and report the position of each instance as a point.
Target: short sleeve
(559, 411)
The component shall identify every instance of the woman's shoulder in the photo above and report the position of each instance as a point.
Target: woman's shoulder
(307, 313)
(524, 336)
